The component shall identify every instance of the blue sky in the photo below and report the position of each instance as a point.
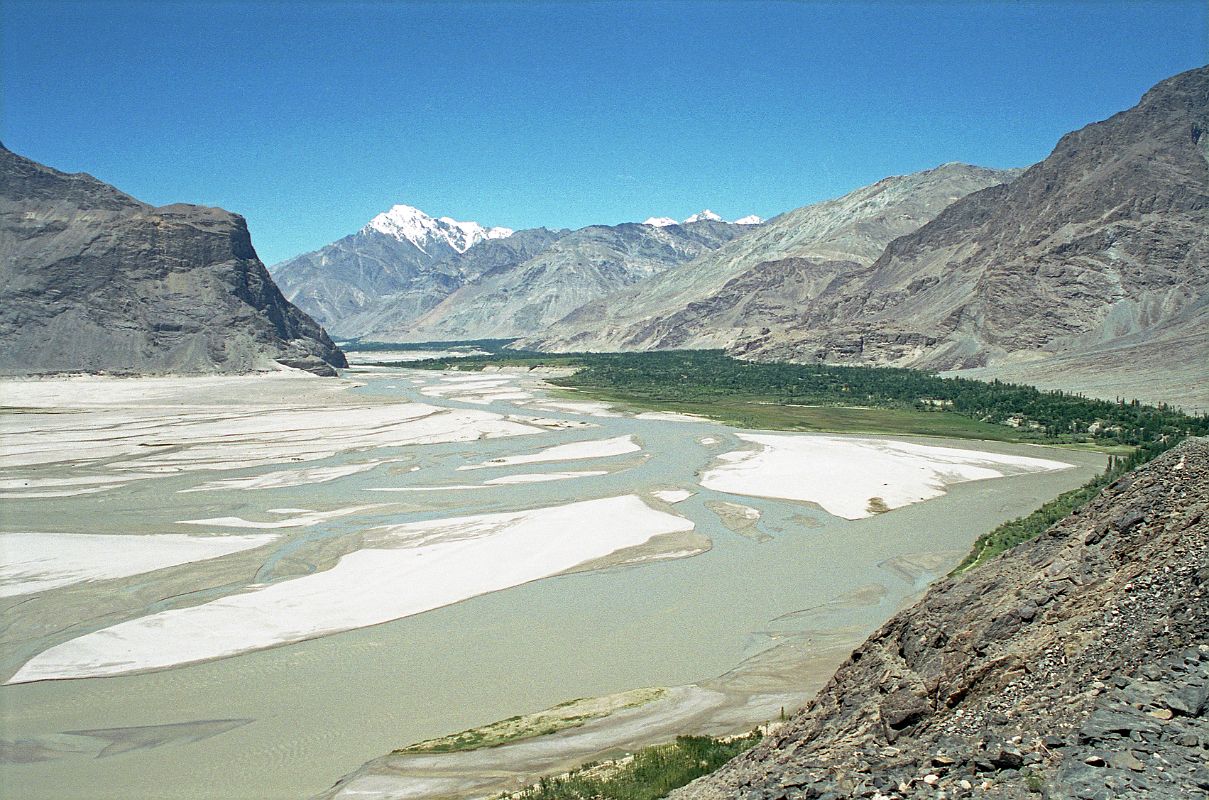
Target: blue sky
(308, 118)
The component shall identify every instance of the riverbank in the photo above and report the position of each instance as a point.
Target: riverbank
(684, 609)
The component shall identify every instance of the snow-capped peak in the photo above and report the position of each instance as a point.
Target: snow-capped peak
(406, 223)
(706, 215)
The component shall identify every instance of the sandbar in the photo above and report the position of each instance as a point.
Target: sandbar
(597, 448)
(289, 477)
(854, 477)
(542, 477)
(413, 567)
(305, 519)
(35, 562)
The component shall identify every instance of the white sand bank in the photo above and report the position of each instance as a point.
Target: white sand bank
(35, 562)
(303, 520)
(478, 389)
(172, 425)
(542, 477)
(854, 477)
(82, 480)
(321, 433)
(671, 416)
(575, 451)
(672, 495)
(25, 488)
(447, 387)
(289, 477)
(553, 423)
(471, 377)
(416, 567)
(589, 408)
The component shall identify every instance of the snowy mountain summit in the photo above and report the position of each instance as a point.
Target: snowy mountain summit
(702, 216)
(405, 223)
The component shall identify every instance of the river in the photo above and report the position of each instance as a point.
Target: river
(287, 721)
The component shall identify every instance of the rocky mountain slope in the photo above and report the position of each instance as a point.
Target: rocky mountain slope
(399, 266)
(523, 299)
(95, 280)
(1075, 665)
(762, 279)
(1089, 257)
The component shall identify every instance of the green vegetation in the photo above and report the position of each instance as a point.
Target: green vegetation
(818, 397)
(570, 714)
(653, 772)
(1016, 531)
(852, 399)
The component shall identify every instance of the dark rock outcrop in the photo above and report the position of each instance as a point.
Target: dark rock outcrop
(94, 280)
(1075, 665)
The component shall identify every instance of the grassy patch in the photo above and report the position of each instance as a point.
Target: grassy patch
(570, 714)
(651, 774)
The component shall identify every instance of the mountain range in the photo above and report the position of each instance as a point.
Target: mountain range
(97, 281)
(406, 276)
(1091, 264)
(762, 278)
(1086, 271)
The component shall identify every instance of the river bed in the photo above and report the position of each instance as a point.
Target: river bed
(330, 473)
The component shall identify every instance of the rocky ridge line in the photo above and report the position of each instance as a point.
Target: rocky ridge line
(97, 281)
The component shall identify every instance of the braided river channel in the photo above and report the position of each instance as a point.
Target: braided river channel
(247, 587)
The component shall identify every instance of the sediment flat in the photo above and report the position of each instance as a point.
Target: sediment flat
(696, 606)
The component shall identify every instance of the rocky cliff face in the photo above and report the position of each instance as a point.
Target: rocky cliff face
(95, 280)
(1091, 253)
(1075, 665)
(377, 278)
(760, 282)
(525, 298)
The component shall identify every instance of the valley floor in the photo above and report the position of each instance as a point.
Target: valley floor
(280, 536)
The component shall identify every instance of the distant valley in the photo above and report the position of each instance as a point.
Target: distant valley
(698, 456)
(1085, 271)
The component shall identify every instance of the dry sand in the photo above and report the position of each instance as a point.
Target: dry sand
(575, 451)
(855, 477)
(36, 562)
(413, 567)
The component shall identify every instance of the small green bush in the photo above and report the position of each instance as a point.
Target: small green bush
(653, 773)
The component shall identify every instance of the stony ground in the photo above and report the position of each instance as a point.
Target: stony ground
(1074, 666)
